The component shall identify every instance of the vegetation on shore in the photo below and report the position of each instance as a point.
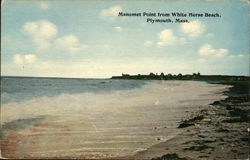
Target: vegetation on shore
(194, 76)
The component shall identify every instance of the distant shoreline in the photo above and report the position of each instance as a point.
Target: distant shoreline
(194, 76)
(151, 76)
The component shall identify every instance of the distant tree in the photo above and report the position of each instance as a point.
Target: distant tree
(125, 75)
(151, 74)
(162, 76)
(195, 75)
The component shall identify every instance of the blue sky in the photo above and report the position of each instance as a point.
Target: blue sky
(87, 39)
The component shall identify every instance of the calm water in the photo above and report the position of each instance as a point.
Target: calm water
(23, 88)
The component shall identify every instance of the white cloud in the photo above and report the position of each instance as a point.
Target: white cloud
(111, 12)
(193, 29)
(41, 32)
(29, 58)
(167, 37)
(148, 43)
(118, 29)
(44, 5)
(71, 43)
(239, 56)
(24, 59)
(18, 59)
(208, 50)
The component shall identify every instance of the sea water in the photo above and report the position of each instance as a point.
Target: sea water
(94, 118)
(25, 88)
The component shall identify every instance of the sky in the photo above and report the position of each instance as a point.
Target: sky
(87, 38)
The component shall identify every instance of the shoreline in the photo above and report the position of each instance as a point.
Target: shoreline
(218, 132)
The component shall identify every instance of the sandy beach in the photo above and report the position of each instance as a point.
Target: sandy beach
(135, 124)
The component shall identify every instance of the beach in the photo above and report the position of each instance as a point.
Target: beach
(219, 131)
(139, 123)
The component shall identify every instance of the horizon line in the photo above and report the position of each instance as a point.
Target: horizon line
(11, 76)
(50, 77)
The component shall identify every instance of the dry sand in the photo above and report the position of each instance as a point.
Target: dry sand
(109, 125)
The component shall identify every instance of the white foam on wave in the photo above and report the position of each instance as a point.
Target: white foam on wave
(152, 94)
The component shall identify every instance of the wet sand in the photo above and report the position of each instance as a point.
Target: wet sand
(105, 125)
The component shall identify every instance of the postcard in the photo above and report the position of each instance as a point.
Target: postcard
(117, 79)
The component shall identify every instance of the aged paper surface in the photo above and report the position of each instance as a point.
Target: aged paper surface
(143, 79)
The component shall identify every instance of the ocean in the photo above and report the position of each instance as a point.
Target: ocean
(94, 118)
(25, 88)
